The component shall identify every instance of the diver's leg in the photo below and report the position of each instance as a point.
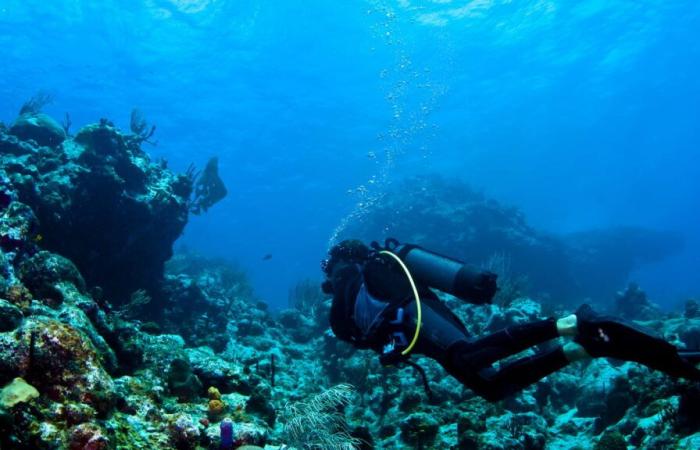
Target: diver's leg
(440, 330)
(511, 340)
(494, 385)
(606, 336)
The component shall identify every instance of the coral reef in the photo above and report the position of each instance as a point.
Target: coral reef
(38, 127)
(99, 201)
(458, 221)
(200, 295)
(633, 303)
(104, 347)
(33, 125)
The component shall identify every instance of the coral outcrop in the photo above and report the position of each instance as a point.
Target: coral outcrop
(190, 359)
(634, 304)
(449, 217)
(86, 224)
(200, 296)
(38, 127)
(99, 201)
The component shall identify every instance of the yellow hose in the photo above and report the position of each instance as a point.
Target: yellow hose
(419, 314)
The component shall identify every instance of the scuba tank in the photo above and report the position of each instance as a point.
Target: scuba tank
(444, 273)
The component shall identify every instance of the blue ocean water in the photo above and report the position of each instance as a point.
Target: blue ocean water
(583, 114)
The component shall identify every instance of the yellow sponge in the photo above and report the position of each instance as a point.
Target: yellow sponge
(17, 391)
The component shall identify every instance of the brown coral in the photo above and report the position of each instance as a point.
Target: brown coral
(88, 436)
(63, 363)
(216, 409)
(19, 295)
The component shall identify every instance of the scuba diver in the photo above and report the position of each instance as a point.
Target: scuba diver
(382, 300)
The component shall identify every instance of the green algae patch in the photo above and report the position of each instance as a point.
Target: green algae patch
(18, 391)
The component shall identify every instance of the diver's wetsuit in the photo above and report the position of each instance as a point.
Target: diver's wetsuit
(443, 337)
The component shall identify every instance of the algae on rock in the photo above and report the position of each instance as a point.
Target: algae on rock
(18, 391)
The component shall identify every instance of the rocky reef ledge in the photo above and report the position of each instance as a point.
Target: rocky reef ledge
(109, 342)
(98, 200)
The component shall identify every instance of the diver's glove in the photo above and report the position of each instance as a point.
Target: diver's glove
(391, 354)
(391, 358)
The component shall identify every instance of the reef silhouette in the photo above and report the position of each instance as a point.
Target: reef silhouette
(448, 216)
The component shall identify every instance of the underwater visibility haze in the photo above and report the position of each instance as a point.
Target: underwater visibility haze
(172, 172)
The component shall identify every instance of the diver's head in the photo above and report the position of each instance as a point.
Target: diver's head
(350, 251)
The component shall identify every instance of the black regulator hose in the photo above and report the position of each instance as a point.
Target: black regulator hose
(446, 274)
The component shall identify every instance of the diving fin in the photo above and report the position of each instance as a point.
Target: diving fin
(607, 336)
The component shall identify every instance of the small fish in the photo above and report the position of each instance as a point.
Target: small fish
(38, 238)
(267, 257)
